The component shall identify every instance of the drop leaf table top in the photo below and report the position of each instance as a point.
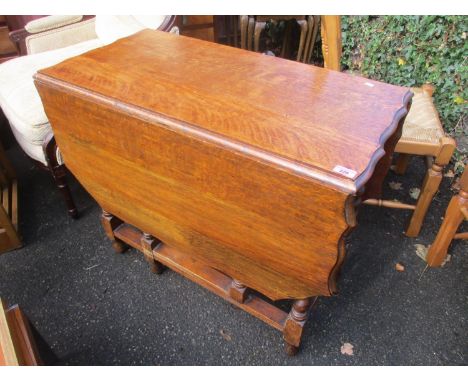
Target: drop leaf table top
(248, 165)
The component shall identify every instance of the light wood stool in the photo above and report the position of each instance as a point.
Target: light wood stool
(423, 135)
(457, 211)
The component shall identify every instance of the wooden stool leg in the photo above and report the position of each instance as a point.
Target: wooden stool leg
(244, 21)
(294, 326)
(430, 186)
(453, 218)
(12, 239)
(286, 40)
(454, 215)
(303, 26)
(148, 243)
(402, 163)
(259, 27)
(308, 42)
(316, 23)
(110, 223)
(250, 32)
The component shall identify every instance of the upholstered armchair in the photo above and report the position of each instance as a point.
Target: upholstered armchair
(48, 41)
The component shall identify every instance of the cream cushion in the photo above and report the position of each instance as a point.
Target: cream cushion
(20, 100)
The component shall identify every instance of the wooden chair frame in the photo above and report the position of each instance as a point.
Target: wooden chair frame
(17, 345)
(437, 155)
(251, 28)
(456, 212)
(9, 237)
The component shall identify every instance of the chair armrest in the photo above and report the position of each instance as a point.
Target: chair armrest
(169, 23)
(51, 22)
(39, 35)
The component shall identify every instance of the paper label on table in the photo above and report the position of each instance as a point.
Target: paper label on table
(344, 171)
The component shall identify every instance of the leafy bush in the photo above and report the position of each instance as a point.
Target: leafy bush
(411, 51)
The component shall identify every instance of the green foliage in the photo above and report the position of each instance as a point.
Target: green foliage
(413, 50)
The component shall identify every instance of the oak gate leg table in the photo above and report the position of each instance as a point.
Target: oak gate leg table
(199, 162)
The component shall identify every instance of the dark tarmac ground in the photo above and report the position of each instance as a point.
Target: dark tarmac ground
(92, 306)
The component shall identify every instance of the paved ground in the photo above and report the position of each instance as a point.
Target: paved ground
(94, 307)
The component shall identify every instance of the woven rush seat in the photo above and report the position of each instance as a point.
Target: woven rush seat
(424, 135)
(422, 130)
(422, 123)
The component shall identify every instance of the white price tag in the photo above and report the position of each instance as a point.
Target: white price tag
(344, 171)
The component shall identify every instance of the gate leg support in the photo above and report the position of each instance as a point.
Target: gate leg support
(148, 243)
(110, 223)
(294, 325)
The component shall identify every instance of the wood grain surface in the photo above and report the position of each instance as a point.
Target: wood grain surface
(224, 154)
(276, 107)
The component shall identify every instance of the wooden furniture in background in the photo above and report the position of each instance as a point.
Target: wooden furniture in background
(7, 48)
(260, 23)
(226, 30)
(330, 30)
(313, 22)
(200, 26)
(212, 176)
(9, 238)
(17, 345)
(252, 26)
(457, 211)
(423, 135)
(19, 100)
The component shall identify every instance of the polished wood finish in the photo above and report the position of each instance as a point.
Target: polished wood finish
(457, 212)
(235, 183)
(17, 345)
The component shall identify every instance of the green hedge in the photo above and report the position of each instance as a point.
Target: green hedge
(410, 51)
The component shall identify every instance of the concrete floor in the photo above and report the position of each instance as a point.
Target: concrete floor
(95, 307)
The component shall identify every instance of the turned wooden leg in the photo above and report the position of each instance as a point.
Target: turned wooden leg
(430, 186)
(455, 214)
(303, 26)
(294, 325)
(259, 27)
(110, 223)
(238, 291)
(60, 177)
(310, 27)
(402, 163)
(148, 243)
(59, 173)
